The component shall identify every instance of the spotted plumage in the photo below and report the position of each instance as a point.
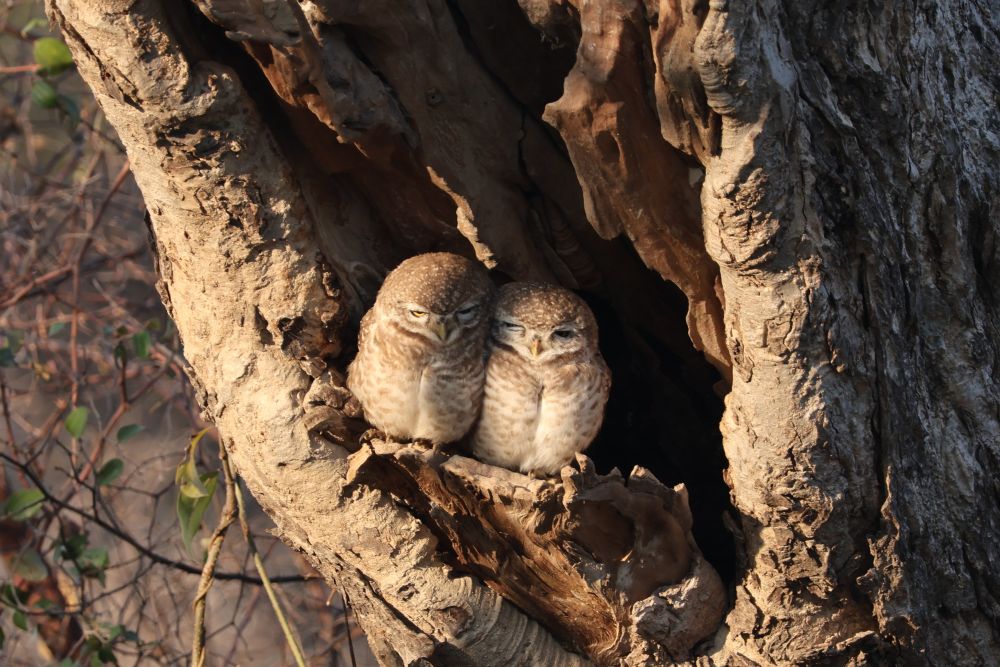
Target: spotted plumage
(419, 370)
(546, 381)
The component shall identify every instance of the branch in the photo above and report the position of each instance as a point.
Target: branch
(226, 518)
(131, 541)
(258, 562)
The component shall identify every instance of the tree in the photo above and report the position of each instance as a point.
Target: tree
(793, 204)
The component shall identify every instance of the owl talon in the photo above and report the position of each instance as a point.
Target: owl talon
(370, 435)
(424, 443)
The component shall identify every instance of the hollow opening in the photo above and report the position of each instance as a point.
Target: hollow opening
(664, 412)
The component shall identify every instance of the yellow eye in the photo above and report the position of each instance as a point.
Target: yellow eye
(418, 313)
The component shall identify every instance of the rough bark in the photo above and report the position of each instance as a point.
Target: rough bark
(852, 211)
(819, 182)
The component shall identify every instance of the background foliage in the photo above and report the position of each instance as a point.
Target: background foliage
(112, 493)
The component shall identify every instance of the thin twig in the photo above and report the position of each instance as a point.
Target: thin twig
(258, 562)
(347, 625)
(10, 430)
(125, 403)
(37, 286)
(131, 541)
(214, 549)
(20, 69)
(88, 236)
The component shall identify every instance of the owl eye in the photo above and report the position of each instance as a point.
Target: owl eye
(564, 334)
(418, 313)
(465, 314)
(512, 327)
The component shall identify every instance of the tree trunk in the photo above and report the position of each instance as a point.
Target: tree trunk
(792, 204)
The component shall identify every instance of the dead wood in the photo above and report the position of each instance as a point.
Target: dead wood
(586, 554)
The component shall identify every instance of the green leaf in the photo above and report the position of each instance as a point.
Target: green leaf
(127, 431)
(20, 620)
(11, 596)
(187, 478)
(140, 342)
(71, 547)
(70, 108)
(191, 485)
(109, 472)
(92, 561)
(10, 343)
(36, 22)
(12, 340)
(52, 55)
(29, 566)
(24, 504)
(45, 604)
(44, 95)
(77, 421)
(191, 510)
(55, 328)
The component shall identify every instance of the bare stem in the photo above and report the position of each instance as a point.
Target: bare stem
(258, 562)
(207, 573)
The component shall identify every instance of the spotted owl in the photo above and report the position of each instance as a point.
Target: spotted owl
(419, 371)
(546, 381)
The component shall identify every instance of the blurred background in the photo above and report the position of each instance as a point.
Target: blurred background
(107, 511)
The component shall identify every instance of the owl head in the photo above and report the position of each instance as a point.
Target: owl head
(437, 295)
(543, 322)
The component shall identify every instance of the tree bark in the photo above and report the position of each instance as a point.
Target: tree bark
(791, 204)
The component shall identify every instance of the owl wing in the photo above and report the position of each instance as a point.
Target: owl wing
(581, 380)
(354, 370)
(364, 330)
(571, 411)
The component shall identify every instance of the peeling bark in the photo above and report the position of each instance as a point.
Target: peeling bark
(818, 183)
(608, 564)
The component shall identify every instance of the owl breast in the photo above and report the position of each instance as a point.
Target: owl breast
(411, 389)
(535, 418)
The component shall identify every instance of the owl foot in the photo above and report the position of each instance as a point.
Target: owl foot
(537, 474)
(424, 443)
(372, 434)
(437, 449)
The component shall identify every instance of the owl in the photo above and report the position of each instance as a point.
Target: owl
(419, 371)
(546, 381)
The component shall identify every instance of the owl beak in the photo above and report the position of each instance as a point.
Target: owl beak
(536, 347)
(441, 330)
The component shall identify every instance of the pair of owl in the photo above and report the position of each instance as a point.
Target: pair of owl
(442, 354)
